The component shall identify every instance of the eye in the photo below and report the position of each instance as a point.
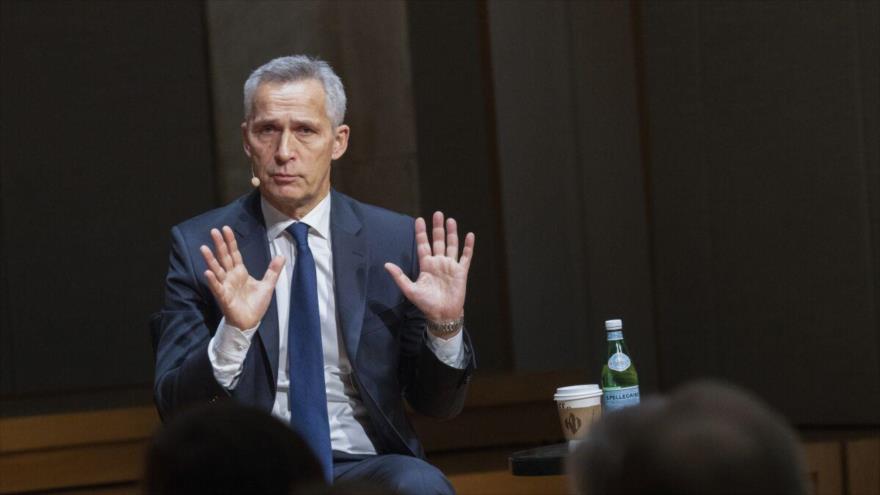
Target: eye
(266, 129)
(305, 130)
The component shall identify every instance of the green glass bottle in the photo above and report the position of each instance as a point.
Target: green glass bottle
(620, 382)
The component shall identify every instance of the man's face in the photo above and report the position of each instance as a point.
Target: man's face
(291, 142)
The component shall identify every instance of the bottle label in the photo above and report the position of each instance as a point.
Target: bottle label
(618, 398)
(619, 361)
(615, 335)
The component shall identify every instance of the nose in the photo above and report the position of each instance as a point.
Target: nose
(285, 150)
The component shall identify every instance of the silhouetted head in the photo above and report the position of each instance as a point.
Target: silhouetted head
(228, 448)
(706, 438)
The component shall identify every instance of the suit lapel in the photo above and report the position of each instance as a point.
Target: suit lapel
(250, 229)
(349, 270)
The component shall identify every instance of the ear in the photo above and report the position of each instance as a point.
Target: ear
(244, 139)
(340, 141)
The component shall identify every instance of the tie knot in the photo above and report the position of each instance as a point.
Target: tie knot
(300, 233)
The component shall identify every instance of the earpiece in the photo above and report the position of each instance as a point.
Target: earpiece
(255, 181)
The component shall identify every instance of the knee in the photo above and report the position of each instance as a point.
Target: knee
(419, 477)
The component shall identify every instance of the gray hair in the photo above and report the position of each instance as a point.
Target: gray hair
(296, 68)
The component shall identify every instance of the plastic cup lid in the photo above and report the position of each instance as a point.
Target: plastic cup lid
(577, 391)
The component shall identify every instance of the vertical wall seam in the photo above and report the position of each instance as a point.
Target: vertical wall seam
(709, 211)
(644, 137)
(583, 244)
(505, 349)
(217, 180)
(871, 189)
(844, 467)
(8, 336)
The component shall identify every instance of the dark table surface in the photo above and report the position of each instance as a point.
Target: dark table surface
(540, 461)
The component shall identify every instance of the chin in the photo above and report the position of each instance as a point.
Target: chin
(288, 196)
(287, 191)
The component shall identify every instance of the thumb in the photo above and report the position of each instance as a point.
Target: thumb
(274, 270)
(403, 282)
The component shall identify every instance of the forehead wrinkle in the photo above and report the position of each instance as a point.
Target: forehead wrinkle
(297, 97)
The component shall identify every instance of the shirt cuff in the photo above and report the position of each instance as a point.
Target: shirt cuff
(450, 352)
(227, 350)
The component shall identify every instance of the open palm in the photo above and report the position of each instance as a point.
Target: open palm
(242, 298)
(440, 288)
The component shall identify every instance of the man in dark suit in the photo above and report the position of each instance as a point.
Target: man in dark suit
(356, 309)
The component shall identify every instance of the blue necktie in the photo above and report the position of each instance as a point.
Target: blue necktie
(305, 355)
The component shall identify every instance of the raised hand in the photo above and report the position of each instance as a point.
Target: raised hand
(242, 298)
(439, 291)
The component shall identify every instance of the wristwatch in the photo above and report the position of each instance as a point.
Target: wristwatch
(445, 328)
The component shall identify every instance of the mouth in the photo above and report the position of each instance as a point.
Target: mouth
(281, 179)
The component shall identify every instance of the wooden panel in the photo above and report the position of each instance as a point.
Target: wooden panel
(130, 488)
(65, 430)
(824, 467)
(863, 466)
(501, 410)
(85, 465)
(486, 471)
(72, 450)
(114, 489)
(536, 422)
(500, 389)
(99, 447)
(504, 483)
(90, 449)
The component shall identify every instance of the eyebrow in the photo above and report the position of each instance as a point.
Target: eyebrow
(265, 120)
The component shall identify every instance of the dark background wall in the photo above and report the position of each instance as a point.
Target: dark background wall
(106, 143)
(762, 140)
(707, 171)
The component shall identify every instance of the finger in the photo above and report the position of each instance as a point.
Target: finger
(232, 244)
(403, 282)
(274, 270)
(423, 248)
(467, 254)
(221, 250)
(438, 235)
(452, 239)
(211, 261)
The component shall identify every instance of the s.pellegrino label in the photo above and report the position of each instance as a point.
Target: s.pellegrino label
(614, 399)
(620, 382)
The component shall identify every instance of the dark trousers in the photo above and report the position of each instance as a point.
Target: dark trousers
(398, 474)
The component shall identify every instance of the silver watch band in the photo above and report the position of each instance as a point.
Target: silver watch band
(444, 328)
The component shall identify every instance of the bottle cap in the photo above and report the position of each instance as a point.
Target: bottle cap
(613, 325)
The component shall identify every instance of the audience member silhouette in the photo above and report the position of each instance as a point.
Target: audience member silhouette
(706, 438)
(228, 448)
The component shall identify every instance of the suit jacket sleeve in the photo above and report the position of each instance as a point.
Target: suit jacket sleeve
(431, 387)
(183, 371)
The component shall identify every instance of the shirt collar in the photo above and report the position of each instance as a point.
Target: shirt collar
(318, 219)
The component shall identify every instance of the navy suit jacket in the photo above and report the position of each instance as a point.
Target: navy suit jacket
(383, 333)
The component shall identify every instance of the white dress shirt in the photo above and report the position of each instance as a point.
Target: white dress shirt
(345, 409)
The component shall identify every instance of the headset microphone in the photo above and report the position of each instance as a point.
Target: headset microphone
(255, 181)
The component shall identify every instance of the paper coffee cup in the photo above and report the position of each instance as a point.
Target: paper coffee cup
(579, 407)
